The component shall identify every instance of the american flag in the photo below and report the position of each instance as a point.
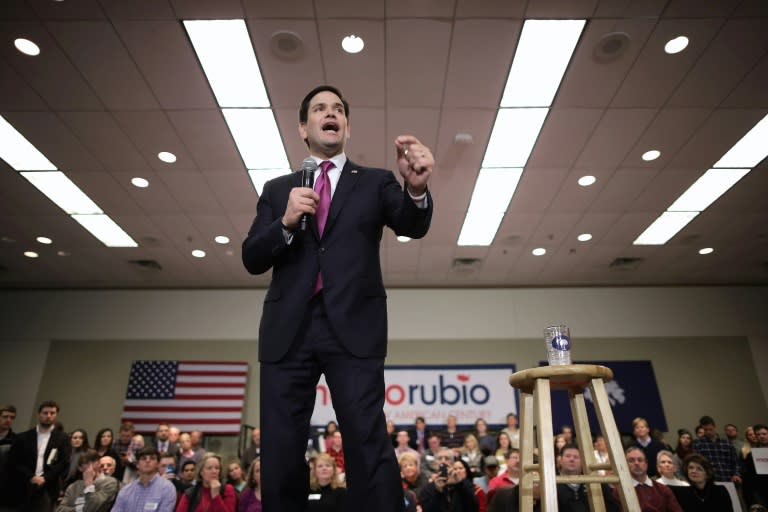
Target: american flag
(191, 395)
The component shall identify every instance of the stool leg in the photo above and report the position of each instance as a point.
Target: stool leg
(547, 475)
(584, 436)
(613, 443)
(526, 451)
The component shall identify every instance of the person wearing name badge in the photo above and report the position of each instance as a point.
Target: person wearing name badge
(325, 311)
(150, 492)
(94, 492)
(326, 493)
(209, 494)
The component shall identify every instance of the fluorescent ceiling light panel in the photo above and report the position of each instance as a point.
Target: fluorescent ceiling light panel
(18, 152)
(751, 149)
(257, 137)
(707, 189)
(225, 51)
(62, 191)
(665, 227)
(260, 176)
(106, 230)
(541, 57)
(513, 137)
(493, 191)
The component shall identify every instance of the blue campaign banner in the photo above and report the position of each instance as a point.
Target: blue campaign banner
(632, 392)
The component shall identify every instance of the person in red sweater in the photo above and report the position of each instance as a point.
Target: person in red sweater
(653, 496)
(209, 494)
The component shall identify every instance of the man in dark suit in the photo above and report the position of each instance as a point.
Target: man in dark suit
(325, 310)
(37, 461)
(163, 442)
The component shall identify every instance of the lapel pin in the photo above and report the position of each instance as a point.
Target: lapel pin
(353, 171)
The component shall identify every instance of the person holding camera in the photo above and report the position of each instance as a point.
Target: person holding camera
(450, 490)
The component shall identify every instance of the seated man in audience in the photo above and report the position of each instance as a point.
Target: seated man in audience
(150, 492)
(644, 441)
(125, 446)
(108, 465)
(187, 475)
(196, 437)
(253, 450)
(429, 463)
(168, 469)
(451, 437)
(653, 496)
(94, 492)
(575, 497)
(402, 441)
(510, 477)
(720, 453)
(490, 471)
(418, 435)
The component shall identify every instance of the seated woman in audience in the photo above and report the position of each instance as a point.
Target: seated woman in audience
(503, 445)
(462, 470)
(601, 452)
(684, 449)
(413, 478)
(235, 477)
(78, 441)
(703, 495)
(750, 440)
(103, 445)
(209, 494)
(471, 454)
(485, 440)
(326, 494)
(665, 465)
(327, 438)
(452, 493)
(250, 497)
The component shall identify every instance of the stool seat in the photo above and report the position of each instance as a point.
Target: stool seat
(535, 385)
(567, 376)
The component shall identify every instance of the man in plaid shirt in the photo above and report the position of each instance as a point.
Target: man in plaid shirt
(720, 453)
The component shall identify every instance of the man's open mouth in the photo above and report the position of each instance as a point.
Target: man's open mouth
(330, 126)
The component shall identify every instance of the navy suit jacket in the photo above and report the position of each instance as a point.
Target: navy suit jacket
(365, 200)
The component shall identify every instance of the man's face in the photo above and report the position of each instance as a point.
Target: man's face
(6, 419)
(434, 443)
(167, 466)
(326, 129)
(638, 466)
(570, 462)
(710, 431)
(568, 433)
(125, 436)
(336, 440)
(762, 437)
(511, 422)
(513, 461)
(173, 434)
(256, 436)
(162, 432)
(148, 465)
(731, 432)
(641, 430)
(420, 425)
(47, 416)
(107, 465)
(451, 422)
(402, 438)
(188, 472)
(196, 437)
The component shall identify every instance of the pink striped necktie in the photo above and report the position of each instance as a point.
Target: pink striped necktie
(323, 189)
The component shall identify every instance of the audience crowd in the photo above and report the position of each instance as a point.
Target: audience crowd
(443, 469)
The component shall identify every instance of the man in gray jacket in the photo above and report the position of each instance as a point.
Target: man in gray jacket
(94, 492)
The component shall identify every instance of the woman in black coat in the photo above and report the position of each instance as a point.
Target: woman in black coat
(703, 495)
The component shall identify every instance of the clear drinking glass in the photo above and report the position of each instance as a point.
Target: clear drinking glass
(558, 340)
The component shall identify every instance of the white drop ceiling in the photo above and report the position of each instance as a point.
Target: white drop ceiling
(117, 81)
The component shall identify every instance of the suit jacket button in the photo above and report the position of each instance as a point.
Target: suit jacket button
(322, 250)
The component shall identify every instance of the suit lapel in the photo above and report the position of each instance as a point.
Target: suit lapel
(345, 186)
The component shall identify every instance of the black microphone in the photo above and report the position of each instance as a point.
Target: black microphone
(308, 168)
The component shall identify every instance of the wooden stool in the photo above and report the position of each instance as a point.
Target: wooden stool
(535, 385)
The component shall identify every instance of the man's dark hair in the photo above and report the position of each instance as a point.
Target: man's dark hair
(149, 450)
(126, 426)
(304, 109)
(759, 426)
(188, 462)
(570, 446)
(731, 425)
(511, 414)
(48, 403)
(706, 420)
(168, 455)
(88, 457)
(9, 408)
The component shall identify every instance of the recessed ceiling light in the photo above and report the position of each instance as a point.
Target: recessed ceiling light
(44, 240)
(586, 181)
(26, 47)
(584, 237)
(706, 250)
(676, 45)
(139, 182)
(31, 254)
(539, 251)
(64, 253)
(403, 239)
(221, 239)
(352, 44)
(166, 157)
(651, 155)
(198, 253)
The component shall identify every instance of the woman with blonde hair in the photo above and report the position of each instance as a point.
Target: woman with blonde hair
(326, 492)
(471, 454)
(209, 494)
(413, 478)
